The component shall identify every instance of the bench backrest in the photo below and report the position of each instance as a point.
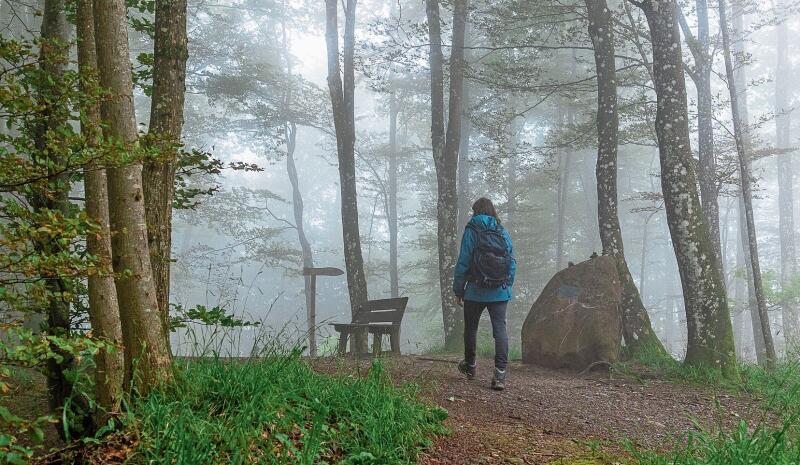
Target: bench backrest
(381, 311)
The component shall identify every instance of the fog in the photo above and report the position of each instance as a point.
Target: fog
(530, 108)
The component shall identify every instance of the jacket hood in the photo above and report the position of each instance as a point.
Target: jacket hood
(484, 221)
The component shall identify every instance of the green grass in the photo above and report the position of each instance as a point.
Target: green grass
(774, 440)
(277, 410)
(743, 446)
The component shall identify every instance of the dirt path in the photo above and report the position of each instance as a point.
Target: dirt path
(546, 415)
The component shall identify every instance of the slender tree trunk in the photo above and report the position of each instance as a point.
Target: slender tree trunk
(710, 334)
(707, 171)
(636, 327)
(50, 147)
(751, 305)
(103, 303)
(445, 155)
(564, 163)
(298, 205)
(394, 271)
(341, 83)
(463, 188)
(166, 126)
(146, 348)
(783, 73)
(739, 133)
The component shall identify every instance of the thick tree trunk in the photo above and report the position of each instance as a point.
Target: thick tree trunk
(445, 156)
(710, 334)
(745, 175)
(636, 328)
(791, 323)
(146, 348)
(342, 90)
(394, 271)
(166, 126)
(103, 303)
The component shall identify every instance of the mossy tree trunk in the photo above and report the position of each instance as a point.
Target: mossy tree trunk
(710, 334)
(636, 328)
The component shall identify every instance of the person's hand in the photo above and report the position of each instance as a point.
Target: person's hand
(459, 301)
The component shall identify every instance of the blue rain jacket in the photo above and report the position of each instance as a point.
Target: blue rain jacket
(461, 285)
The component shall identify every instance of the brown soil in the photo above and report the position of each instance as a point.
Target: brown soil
(552, 417)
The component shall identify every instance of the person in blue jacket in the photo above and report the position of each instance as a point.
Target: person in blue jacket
(475, 298)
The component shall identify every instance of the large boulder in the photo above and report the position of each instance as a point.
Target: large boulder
(576, 321)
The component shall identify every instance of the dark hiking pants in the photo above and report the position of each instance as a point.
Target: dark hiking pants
(472, 316)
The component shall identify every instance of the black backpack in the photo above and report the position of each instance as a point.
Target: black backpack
(491, 262)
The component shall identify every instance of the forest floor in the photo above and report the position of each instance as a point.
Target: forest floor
(544, 417)
(554, 417)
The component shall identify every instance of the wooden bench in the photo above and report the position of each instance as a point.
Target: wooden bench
(376, 317)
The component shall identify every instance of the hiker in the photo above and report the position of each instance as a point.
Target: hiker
(483, 279)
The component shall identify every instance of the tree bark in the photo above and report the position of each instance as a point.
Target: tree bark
(50, 147)
(745, 175)
(341, 83)
(751, 305)
(103, 303)
(636, 327)
(146, 348)
(166, 125)
(445, 155)
(710, 334)
(791, 323)
(707, 171)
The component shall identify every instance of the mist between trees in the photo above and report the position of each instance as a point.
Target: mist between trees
(250, 139)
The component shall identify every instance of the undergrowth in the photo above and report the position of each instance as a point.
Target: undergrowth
(277, 410)
(774, 440)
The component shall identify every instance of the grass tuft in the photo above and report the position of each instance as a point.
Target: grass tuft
(277, 410)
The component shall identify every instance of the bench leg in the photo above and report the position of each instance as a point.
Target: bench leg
(394, 338)
(377, 343)
(343, 342)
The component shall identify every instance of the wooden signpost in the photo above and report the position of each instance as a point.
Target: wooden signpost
(311, 310)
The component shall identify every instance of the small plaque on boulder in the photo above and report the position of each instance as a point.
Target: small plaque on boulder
(576, 320)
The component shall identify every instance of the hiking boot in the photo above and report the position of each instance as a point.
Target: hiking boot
(466, 369)
(499, 380)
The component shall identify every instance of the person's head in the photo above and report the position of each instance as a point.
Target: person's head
(484, 206)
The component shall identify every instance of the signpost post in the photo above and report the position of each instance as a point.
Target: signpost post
(311, 310)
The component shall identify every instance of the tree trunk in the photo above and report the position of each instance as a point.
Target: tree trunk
(50, 147)
(707, 171)
(146, 348)
(751, 306)
(103, 303)
(464, 207)
(791, 324)
(298, 205)
(636, 327)
(445, 156)
(745, 175)
(342, 90)
(564, 163)
(394, 271)
(166, 126)
(710, 334)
